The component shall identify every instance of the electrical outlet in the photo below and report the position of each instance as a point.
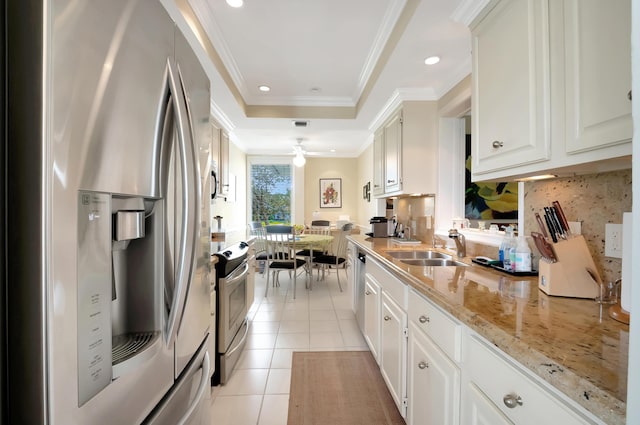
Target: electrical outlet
(613, 240)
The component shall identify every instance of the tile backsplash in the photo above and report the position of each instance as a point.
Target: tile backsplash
(593, 200)
(416, 212)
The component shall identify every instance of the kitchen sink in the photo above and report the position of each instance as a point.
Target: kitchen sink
(430, 262)
(418, 255)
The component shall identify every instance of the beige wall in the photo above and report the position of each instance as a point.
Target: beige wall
(343, 168)
(367, 209)
(233, 212)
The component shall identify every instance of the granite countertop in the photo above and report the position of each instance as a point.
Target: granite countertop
(571, 343)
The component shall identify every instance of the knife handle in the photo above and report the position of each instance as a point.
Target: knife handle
(556, 221)
(552, 231)
(541, 225)
(562, 217)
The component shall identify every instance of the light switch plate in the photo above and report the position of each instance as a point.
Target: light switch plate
(613, 240)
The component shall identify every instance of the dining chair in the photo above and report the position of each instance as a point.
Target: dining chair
(281, 248)
(338, 259)
(321, 227)
(256, 229)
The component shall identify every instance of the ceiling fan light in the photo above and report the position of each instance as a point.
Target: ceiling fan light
(235, 3)
(299, 160)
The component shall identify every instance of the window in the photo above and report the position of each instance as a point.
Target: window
(270, 191)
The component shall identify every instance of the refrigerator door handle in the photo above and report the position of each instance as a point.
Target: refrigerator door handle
(188, 226)
(204, 381)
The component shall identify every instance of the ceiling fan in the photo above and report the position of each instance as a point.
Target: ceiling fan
(299, 153)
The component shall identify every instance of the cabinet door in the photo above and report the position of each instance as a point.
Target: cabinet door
(378, 162)
(372, 316)
(511, 89)
(393, 351)
(597, 73)
(223, 165)
(393, 154)
(479, 410)
(433, 391)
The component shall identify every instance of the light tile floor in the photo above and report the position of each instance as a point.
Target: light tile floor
(318, 320)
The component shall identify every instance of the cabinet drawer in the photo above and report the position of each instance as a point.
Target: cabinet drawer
(390, 284)
(443, 330)
(506, 384)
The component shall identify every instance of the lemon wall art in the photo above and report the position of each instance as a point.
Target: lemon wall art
(489, 200)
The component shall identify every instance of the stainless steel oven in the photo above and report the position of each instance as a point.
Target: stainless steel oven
(232, 271)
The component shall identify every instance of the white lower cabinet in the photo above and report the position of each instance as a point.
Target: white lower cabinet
(372, 316)
(441, 372)
(479, 410)
(511, 390)
(393, 347)
(433, 381)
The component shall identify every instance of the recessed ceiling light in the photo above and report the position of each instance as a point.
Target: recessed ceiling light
(432, 60)
(332, 150)
(315, 90)
(264, 88)
(235, 3)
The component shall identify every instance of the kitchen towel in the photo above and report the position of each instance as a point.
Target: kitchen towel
(339, 388)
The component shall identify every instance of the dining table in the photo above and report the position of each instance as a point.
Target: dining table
(312, 242)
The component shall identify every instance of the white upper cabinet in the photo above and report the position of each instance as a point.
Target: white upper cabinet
(551, 80)
(597, 74)
(405, 151)
(378, 163)
(393, 154)
(220, 155)
(511, 89)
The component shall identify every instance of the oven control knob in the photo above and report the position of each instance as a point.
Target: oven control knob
(227, 254)
(243, 244)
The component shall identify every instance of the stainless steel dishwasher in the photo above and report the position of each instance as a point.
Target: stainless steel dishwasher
(359, 293)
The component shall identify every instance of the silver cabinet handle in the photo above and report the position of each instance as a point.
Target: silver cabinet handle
(387, 318)
(512, 400)
(423, 319)
(367, 293)
(496, 144)
(391, 181)
(423, 365)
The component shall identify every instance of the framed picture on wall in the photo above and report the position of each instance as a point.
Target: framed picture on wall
(330, 193)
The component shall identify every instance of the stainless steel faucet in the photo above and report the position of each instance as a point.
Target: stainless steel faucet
(461, 244)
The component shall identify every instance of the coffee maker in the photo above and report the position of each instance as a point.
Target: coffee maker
(379, 227)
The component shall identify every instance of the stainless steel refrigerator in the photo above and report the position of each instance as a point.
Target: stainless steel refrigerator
(106, 261)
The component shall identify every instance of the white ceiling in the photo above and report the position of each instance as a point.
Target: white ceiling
(360, 55)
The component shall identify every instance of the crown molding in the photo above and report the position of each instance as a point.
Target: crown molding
(221, 118)
(396, 99)
(393, 13)
(303, 101)
(468, 10)
(208, 21)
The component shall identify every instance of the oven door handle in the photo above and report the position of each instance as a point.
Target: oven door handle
(239, 344)
(238, 274)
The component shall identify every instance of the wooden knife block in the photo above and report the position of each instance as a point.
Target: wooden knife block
(568, 277)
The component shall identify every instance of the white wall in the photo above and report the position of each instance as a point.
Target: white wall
(374, 207)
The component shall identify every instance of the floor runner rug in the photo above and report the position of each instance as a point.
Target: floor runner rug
(339, 388)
